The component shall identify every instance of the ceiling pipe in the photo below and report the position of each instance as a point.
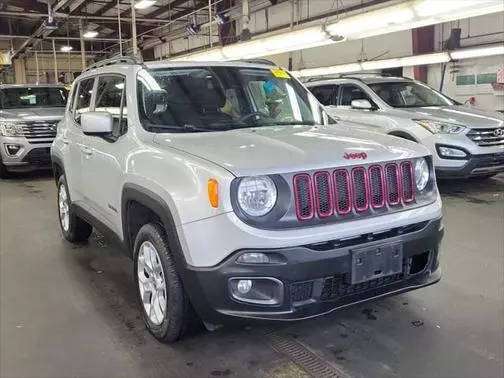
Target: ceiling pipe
(10, 36)
(87, 17)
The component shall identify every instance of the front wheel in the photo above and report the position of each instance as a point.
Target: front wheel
(73, 228)
(165, 306)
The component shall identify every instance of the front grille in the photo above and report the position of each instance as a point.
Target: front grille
(353, 190)
(39, 130)
(39, 156)
(487, 137)
(338, 287)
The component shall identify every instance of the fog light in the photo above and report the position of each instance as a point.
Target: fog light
(450, 152)
(257, 290)
(12, 149)
(244, 286)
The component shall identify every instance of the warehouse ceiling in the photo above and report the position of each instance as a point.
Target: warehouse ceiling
(25, 24)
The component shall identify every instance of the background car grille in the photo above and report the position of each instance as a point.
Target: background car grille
(487, 137)
(39, 130)
(353, 190)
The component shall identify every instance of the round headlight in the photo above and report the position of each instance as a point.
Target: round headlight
(257, 195)
(421, 173)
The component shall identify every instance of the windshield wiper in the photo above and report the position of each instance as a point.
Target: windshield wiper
(179, 128)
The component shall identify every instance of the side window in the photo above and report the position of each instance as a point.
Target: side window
(352, 92)
(110, 98)
(326, 94)
(83, 98)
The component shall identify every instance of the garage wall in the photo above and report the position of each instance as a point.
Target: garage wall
(475, 31)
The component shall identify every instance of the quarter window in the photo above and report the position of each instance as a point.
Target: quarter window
(83, 100)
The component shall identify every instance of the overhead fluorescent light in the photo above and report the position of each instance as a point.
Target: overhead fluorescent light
(403, 16)
(66, 48)
(90, 34)
(143, 4)
(407, 61)
(477, 52)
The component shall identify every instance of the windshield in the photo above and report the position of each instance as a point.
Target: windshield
(33, 97)
(409, 94)
(223, 98)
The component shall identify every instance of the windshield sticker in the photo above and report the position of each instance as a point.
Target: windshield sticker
(279, 73)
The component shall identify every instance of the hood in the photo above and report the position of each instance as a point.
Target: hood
(283, 149)
(33, 114)
(462, 115)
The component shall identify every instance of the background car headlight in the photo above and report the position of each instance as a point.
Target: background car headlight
(10, 129)
(257, 195)
(422, 173)
(437, 127)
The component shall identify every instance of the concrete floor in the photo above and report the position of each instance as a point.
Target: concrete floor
(69, 311)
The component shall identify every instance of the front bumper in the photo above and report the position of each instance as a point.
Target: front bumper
(316, 278)
(30, 156)
(474, 165)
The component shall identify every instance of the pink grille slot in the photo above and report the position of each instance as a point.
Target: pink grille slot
(407, 180)
(377, 186)
(323, 194)
(360, 189)
(393, 184)
(342, 192)
(303, 196)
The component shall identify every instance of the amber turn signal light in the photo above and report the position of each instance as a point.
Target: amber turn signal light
(213, 192)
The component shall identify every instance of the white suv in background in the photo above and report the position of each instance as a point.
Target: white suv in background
(464, 142)
(234, 197)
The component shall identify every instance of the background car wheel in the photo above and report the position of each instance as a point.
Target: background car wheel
(166, 310)
(4, 173)
(74, 229)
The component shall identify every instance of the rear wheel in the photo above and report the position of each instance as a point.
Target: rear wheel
(74, 229)
(166, 310)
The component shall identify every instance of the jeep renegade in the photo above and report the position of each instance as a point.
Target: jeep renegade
(235, 197)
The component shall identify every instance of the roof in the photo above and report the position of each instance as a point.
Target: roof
(367, 79)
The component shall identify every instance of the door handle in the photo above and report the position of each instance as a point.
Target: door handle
(65, 140)
(87, 151)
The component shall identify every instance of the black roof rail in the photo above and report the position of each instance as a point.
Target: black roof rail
(257, 61)
(311, 79)
(112, 61)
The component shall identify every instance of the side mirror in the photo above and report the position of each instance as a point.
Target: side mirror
(361, 104)
(97, 123)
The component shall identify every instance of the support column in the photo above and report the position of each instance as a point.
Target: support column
(55, 62)
(37, 67)
(423, 43)
(82, 46)
(133, 29)
(245, 34)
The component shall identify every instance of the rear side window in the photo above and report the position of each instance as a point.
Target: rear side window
(326, 94)
(110, 98)
(83, 99)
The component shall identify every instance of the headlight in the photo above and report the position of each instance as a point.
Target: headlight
(422, 173)
(257, 195)
(10, 129)
(438, 127)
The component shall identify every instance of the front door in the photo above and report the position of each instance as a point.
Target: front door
(102, 168)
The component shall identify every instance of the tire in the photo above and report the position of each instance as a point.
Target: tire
(73, 228)
(171, 324)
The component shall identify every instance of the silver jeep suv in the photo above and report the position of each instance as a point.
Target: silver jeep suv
(29, 115)
(236, 199)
